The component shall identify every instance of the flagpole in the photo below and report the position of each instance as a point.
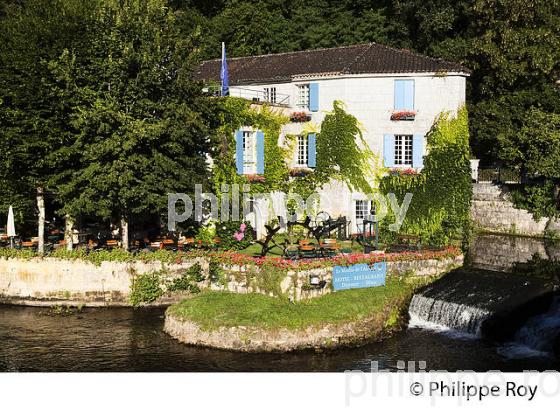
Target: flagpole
(222, 74)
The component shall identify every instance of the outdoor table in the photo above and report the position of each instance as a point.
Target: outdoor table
(329, 247)
(308, 251)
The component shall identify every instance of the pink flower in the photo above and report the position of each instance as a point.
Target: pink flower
(242, 227)
(238, 236)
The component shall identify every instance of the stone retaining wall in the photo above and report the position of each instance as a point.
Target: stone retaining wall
(51, 281)
(248, 339)
(44, 281)
(296, 283)
(493, 211)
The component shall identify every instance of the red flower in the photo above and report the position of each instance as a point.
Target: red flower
(300, 117)
(403, 115)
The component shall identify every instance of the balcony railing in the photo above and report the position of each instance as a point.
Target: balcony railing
(257, 96)
(260, 96)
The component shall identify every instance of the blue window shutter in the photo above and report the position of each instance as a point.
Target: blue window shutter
(418, 151)
(239, 151)
(312, 150)
(260, 152)
(399, 95)
(409, 95)
(404, 95)
(314, 96)
(389, 150)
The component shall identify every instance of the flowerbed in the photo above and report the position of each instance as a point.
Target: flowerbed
(237, 259)
(234, 258)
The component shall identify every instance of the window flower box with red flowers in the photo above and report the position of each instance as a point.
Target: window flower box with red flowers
(400, 172)
(403, 116)
(254, 178)
(300, 171)
(300, 117)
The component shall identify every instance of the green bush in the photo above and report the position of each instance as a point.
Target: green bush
(145, 288)
(226, 230)
(188, 280)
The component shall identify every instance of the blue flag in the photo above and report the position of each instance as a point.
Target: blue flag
(224, 72)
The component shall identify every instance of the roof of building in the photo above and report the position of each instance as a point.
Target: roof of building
(358, 59)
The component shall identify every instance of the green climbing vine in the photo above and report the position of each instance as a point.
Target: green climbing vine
(439, 210)
(341, 150)
(236, 113)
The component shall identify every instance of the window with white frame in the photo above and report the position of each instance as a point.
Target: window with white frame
(249, 152)
(403, 150)
(303, 96)
(363, 208)
(270, 94)
(302, 150)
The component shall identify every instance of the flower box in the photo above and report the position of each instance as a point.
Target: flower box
(300, 117)
(300, 171)
(403, 172)
(403, 116)
(254, 178)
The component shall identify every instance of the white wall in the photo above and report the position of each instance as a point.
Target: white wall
(370, 98)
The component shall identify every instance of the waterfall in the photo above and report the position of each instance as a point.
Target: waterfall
(537, 336)
(438, 314)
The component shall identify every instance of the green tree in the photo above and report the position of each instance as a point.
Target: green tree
(140, 124)
(33, 122)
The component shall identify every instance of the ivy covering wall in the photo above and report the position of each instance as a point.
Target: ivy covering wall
(439, 209)
(341, 150)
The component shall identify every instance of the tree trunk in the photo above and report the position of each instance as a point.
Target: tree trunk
(68, 232)
(41, 222)
(124, 233)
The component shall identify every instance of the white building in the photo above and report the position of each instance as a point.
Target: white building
(375, 82)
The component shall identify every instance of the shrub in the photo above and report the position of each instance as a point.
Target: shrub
(145, 288)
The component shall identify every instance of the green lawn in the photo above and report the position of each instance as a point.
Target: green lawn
(255, 248)
(212, 309)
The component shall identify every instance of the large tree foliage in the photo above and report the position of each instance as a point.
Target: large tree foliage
(105, 113)
(139, 132)
(33, 120)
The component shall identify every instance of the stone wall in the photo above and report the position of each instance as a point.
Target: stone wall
(50, 281)
(45, 281)
(297, 286)
(492, 211)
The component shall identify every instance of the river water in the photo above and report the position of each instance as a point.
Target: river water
(38, 339)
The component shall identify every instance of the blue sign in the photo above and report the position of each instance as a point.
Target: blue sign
(361, 275)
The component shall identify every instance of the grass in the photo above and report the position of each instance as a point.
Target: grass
(255, 249)
(212, 309)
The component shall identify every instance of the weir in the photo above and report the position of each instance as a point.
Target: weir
(479, 303)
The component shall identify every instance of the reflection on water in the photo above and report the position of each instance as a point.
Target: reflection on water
(33, 339)
(133, 340)
(500, 252)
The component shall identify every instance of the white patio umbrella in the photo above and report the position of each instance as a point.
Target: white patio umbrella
(11, 226)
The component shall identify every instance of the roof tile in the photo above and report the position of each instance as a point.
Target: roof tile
(358, 59)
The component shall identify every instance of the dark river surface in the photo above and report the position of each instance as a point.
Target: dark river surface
(38, 339)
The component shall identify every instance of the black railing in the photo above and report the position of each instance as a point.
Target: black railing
(499, 175)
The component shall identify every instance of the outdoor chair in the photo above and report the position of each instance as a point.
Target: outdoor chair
(291, 252)
(307, 249)
(111, 243)
(329, 247)
(28, 244)
(169, 244)
(156, 245)
(408, 242)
